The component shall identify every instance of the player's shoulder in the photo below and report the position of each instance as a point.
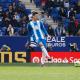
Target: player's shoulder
(40, 22)
(29, 24)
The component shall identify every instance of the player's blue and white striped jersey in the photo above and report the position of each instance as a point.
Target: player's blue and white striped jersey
(37, 30)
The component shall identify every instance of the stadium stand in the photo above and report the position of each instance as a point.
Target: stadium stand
(14, 17)
(64, 12)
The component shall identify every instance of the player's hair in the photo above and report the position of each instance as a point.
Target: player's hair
(34, 13)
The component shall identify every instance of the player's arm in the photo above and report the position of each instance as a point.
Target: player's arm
(43, 29)
(29, 34)
(29, 29)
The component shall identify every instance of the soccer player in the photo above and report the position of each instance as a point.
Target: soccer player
(37, 31)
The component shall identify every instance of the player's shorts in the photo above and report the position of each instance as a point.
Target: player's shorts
(43, 41)
(32, 39)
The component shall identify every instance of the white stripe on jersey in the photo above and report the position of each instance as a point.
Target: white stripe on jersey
(37, 28)
(34, 30)
(40, 30)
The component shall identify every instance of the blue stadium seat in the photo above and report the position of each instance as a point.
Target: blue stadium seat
(78, 16)
(6, 3)
(66, 23)
(9, 1)
(3, 29)
(28, 11)
(55, 14)
(73, 2)
(16, 29)
(1, 33)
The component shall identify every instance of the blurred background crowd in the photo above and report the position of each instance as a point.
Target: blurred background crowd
(14, 17)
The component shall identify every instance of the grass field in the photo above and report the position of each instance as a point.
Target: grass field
(39, 73)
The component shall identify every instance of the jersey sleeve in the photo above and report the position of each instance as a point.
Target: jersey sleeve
(29, 29)
(43, 29)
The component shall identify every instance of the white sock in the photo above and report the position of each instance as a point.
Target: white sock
(42, 61)
(44, 51)
(43, 58)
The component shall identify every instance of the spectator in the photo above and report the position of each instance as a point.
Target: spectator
(74, 47)
(50, 31)
(5, 48)
(59, 31)
(14, 7)
(55, 14)
(61, 3)
(72, 27)
(6, 19)
(23, 31)
(8, 16)
(65, 23)
(10, 30)
(24, 21)
(62, 13)
(65, 11)
(43, 3)
(72, 13)
(16, 19)
(10, 12)
(37, 2)
(49, 4)
(1, 16)
(66, 4)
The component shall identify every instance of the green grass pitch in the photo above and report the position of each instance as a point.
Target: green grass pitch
(39, 73)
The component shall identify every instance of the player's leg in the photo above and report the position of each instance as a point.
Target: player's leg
(43, 47)
(43, 59)
(42, 44)
(45, 54)
(44, 51)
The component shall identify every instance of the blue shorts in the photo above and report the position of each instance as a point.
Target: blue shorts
(41, 40)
